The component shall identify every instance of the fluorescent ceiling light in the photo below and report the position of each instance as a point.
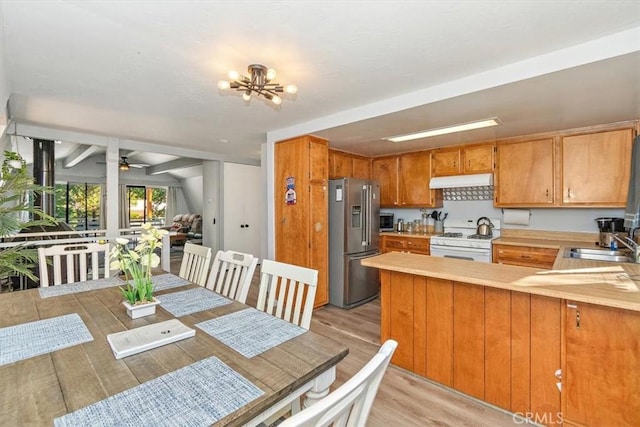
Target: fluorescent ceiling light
(445, 130)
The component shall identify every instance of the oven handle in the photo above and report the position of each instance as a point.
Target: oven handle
(460, 248)
(466, 258)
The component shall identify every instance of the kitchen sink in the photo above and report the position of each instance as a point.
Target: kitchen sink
(599, 254)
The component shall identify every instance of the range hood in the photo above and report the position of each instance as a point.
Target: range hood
(459, 181)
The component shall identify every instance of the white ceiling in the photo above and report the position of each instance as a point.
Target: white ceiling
(147, 70)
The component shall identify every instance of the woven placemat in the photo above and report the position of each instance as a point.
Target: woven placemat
(31, 339)
(196, 395)
(250, 331)
(168, 281)
(191, 301)
(73, 288)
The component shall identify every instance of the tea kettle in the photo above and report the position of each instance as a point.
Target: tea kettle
(484, 226)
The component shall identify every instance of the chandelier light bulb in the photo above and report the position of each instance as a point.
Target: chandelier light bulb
(291, 89)
(259, 80)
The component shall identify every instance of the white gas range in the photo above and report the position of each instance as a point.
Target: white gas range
(460, 240)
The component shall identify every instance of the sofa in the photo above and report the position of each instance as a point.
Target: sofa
(190, 224)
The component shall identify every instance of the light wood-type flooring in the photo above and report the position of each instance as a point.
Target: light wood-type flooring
(403, 399)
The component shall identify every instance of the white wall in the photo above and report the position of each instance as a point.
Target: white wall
(5, 90)
(563, 219)
(192, 189)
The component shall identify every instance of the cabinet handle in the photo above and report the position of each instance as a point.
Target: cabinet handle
(546, 193)
(241, 225)
(578, 318)
(569, 193)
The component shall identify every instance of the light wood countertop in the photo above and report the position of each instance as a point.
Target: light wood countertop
(405, 234)
(589, 286)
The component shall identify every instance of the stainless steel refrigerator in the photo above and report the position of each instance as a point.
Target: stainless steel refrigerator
(354, 208)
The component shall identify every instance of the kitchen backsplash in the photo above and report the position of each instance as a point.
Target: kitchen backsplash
(541, 219)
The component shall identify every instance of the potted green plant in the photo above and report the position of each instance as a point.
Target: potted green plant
(15, 186)
(136, 264)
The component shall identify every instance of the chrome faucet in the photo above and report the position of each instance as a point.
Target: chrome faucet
(630, 244)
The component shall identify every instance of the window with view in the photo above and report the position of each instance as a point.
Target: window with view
(78, 204)
(146, 204)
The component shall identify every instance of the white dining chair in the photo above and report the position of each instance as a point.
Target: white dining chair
(231, 274)
(195, 263)
(287, 291)
(350, 404)
(74, 262)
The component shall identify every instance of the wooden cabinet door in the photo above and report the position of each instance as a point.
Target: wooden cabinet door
(414, 179)
(339, 165)
(417, 245)
(439, 335)
(497, 347)
(596, 168)
(546, 335)
(524, 256)
(468, 339)
(318, 165)
(385, 171)
(478, 158)
(394, 244)
(361, 167)
(446, 162)
(319, 239)
(524, 173)
(400, 317)
(601, 376)
(291, 220)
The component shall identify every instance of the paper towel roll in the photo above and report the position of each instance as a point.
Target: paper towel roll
(516, 216)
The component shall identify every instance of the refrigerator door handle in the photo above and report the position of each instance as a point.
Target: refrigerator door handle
(369, 212)
(365, 216)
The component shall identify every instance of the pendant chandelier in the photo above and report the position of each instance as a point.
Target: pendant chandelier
(259, 82)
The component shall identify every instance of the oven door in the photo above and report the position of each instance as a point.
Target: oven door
(469, 254)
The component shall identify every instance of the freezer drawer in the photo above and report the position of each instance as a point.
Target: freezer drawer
(357, 285)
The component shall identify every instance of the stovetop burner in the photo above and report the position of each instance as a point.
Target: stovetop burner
(480, 236)
(452, 234)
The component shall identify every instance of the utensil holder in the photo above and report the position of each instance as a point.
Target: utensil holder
(439, 227)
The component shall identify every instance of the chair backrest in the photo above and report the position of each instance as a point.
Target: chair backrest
(195, 263)
(231, 274)
(287, 291)
(81, 262)
(349, 405)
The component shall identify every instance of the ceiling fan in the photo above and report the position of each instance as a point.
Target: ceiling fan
(124, 165)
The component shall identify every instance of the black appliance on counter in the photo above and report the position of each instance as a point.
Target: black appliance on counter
(609, 227)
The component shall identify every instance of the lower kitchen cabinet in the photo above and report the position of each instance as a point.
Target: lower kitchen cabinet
(468, 339)
(500, 346)
(414, 245)
(601, 376)
(524, 256)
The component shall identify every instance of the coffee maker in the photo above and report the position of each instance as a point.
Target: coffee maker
(610, 227)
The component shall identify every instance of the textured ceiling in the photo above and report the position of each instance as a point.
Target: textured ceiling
(148, 70)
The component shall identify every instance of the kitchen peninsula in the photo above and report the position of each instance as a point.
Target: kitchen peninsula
(556, 346)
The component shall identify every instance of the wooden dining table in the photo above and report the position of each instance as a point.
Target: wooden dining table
(37, 390)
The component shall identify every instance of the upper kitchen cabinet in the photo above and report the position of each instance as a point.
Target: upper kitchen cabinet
(404, 181)
(385, 171)
(346, 165)
(414, 173)
(446, 162)
(478, 158)
(524, 173)
(596, 168)
(469, 159)
(301, 206)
